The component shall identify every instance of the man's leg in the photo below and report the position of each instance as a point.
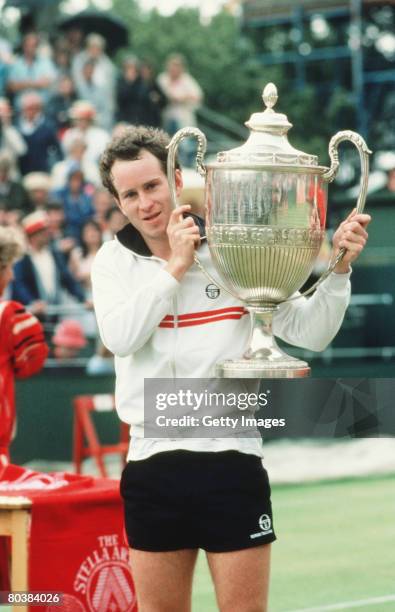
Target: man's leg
(241, 579)
(163, 580)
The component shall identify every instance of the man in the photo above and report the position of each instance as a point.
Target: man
(103, 76)
(31, 72)
(185, 494)
(184, 96)
(11, 142)
(43, 148)
(41, 275)
(83, 116)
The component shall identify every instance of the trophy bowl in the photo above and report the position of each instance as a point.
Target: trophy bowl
(266, 206)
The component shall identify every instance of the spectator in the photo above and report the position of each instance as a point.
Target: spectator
(60, 102)
(103, 73)
(130, 92)
(37, 185)
(74, 41)
(76, 198)
(154, 98)
(116, 220)
(83, 116)
(184, 96)
(75, 151)
(62, 58)
(82, 257)
(56, 227)
(41, 275)
(68, 339)
(22, 347)
(102, 203)
(40, 136)
(11, 142)
(13, 195)
(30, 72)
(5, 62)
(96, 93)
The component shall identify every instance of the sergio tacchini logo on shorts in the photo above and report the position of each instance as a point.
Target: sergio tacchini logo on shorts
(265, 524)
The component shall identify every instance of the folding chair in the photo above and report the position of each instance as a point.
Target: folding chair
(84, 430)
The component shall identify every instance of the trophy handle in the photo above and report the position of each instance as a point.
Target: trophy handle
(171, 158)
(201, 150)
(330, 175)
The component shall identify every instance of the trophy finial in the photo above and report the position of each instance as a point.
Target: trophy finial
(270, 95)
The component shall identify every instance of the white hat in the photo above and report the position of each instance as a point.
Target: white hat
(37, 180)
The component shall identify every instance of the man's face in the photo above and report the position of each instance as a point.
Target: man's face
(144, 194)
(31, 109)
(30, 44)
(40, 239)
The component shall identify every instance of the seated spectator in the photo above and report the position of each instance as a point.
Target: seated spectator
(31, 72)
(6, 60)
(13, 195)
(115, 220)
(60, 102)
(41, 275)
(11, 142)
(61, 58)
(83, 117)
(22, 347)
(74, 41)
(56, 227)
(154, 98)
(97, 94)
(82, 257)
(129, 92)
(39, 133)
(104, 70)
(75, 153)
(68, 339)
(37, 185)
(76, 198)
(80, 264)
(103, 201)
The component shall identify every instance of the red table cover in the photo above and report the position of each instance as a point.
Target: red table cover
(77, 544)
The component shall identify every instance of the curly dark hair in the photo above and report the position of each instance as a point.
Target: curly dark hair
(128, 145)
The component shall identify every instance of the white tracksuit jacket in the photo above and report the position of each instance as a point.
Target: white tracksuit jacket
(158, 327)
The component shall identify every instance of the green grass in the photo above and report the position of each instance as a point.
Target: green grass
(336, 543)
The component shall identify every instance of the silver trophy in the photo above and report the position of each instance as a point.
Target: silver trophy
(265, 222)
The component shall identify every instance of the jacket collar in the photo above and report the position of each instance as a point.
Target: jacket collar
(131, 238)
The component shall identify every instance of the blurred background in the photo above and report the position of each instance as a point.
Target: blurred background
(72, 73)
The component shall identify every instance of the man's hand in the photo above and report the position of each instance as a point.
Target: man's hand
(38, 307)
(351, 235)
(184, 238)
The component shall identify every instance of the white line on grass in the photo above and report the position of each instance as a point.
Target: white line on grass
(346, 605)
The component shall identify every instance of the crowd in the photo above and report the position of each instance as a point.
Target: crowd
(59, 107)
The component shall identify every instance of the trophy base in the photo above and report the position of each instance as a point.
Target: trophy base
(258, 368)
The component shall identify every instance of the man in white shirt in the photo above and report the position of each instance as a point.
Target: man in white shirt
(155, 314)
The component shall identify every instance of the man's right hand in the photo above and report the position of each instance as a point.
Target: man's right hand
(184, 238)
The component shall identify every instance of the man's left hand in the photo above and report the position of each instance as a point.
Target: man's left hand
(351, 235)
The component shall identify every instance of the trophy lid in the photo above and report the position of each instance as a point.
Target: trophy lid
(268, 143)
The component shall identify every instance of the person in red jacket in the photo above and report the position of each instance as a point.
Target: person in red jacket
(22, 347)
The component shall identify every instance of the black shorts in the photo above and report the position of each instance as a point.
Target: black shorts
(185, 499)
